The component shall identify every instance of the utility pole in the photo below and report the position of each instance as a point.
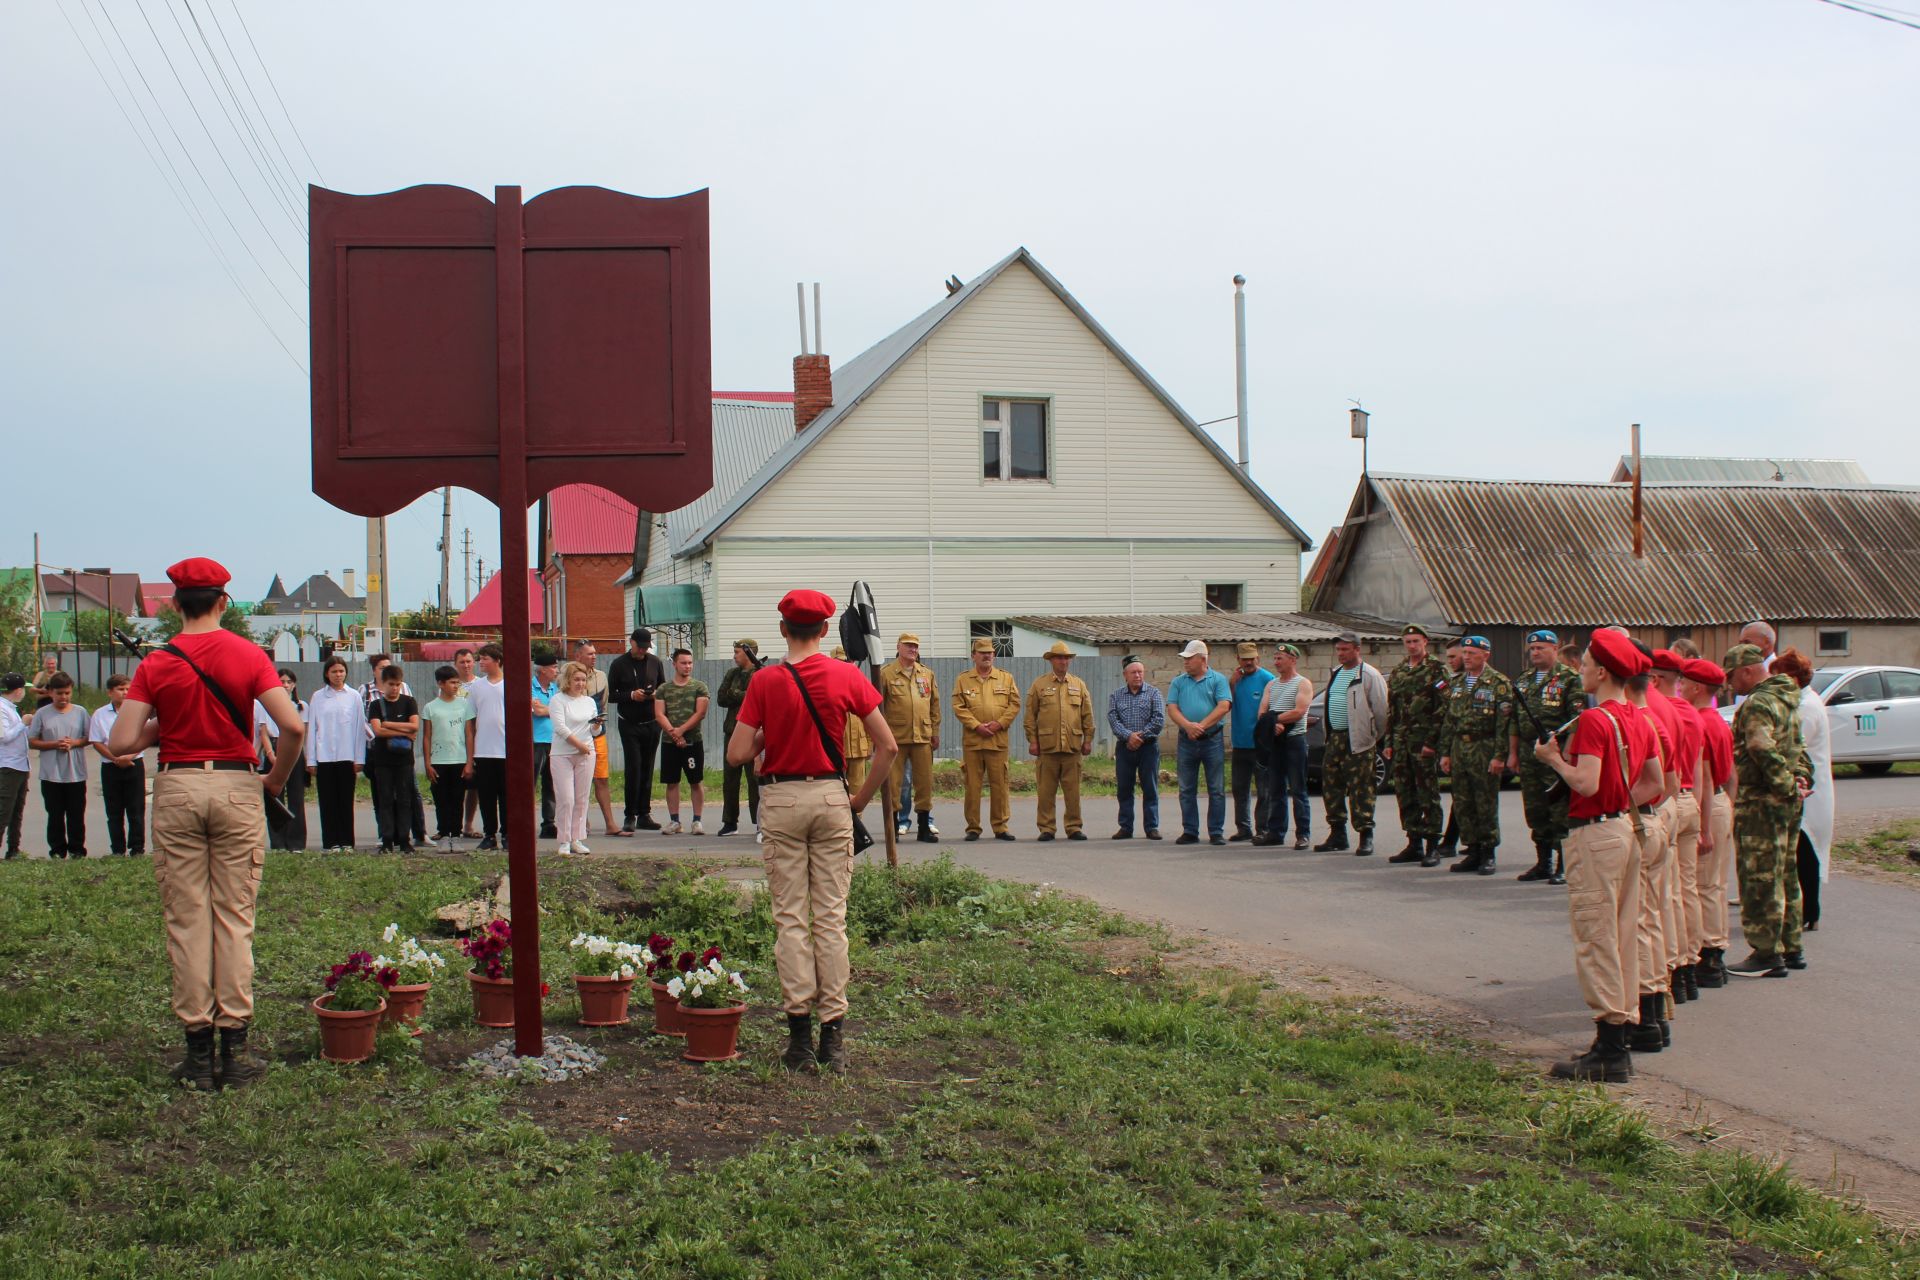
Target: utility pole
(377, 578)
(1240, 363)
(466, 567)
(446, 551)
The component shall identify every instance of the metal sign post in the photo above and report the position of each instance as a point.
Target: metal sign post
(510, 348)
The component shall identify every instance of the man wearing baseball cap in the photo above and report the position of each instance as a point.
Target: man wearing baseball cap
(209, 828)
(911, 704)
(1611, 766)
(1249, 684)
(797, 715)
(733, 691)
(986, 702)
(1773, 776)
(1197, 700)
(1699, 681)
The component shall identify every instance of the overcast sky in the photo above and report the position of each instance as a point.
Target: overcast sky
(1509, 229)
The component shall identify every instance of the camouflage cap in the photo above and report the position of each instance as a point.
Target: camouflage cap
(1742, 655)
(1291, 650)
(1414, 629)
(751, 646)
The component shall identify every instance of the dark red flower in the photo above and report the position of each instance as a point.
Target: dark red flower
(709, 955)
(543, 989)
(659, 944)
(685, 962)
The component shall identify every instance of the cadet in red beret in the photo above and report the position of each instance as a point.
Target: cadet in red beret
(797, 716)
(1699, 683)
(1683, 934)
(209, 827)
(1611, 767)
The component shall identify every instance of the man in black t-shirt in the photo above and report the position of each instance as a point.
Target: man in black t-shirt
(631, 679)
(394, 717)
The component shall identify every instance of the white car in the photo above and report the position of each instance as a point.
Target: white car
(1873, 714)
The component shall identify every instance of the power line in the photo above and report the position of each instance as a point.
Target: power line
(195, 108)
(183, 195)
(257, 153)
(1874, 13)
(292, 173)
(276, 90)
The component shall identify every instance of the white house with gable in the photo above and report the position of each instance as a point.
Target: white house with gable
(1000, 455)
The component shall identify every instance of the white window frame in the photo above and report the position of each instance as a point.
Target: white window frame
(1003, 428)
(998, 630)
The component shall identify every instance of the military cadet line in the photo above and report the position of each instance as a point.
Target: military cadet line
(1636, 790)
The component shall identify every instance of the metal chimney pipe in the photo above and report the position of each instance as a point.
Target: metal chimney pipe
(819, 348)
(800, 300)
(1240, 362)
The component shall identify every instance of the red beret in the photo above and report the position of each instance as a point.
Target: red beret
(805, 606)
(1668, 660)
(1700, 671)
(198, 571)
(1616, 652)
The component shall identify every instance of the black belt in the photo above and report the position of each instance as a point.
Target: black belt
(1587, 822)
(766, 778)
(235, 766)
(1649, 809)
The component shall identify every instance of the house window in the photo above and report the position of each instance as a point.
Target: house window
(1834, 642)
(1000, 632)
(1223, 597)
(1013, 440)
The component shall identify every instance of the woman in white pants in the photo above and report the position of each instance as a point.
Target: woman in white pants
(572, 711)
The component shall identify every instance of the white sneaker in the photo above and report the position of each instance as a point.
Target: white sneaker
(672, 827)
(930, 827)
(759, 836)
(695, 830)
(564, 848)
(580, 846)
(902, 828)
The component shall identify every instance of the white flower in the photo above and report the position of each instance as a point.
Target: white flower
(675, 987)
(391, 932)
(737, 981)
(714, 966)
(626, 971)
(381, 962)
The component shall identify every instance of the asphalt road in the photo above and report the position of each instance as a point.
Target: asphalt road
(1829, 1050)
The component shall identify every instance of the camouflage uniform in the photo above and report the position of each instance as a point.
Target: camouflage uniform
(1478, 722)
(1552, 697)
(1416, 705)
(1768, 755)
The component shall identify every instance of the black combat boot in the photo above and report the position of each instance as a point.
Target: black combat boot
(237, 1068)
(833, 1047)
(1676, 985)
(927, 834)
(1336, 839)
(196, 1069)
(1416, 849)
(1608, 1060)
(1690, 974)
(1470, 862)
(1365, 848)
(1542, 867)
(799, 1054)
(1794, 959)
(1559, 875)
(1486, 867)
(1711, 971)
(1430, 853)
(1650, 1036)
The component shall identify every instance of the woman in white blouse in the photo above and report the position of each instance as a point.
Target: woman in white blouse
(572, 711)
(336, 744)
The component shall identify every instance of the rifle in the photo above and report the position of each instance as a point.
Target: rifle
(1541, 732)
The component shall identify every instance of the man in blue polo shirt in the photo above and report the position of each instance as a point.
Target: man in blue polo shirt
(1249, 682)
(1197, 701)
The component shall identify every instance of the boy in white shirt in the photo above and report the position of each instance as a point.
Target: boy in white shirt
(123, 779)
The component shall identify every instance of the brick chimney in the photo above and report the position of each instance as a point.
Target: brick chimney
(812, 389)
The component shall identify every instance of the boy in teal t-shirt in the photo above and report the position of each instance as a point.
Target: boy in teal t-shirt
(448, 728)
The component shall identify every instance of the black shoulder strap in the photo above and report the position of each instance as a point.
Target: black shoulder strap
(241, 724)
(833, 752)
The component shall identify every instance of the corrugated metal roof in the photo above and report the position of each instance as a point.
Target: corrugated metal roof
(1680, 469)
(745, 434)
(866, 371)
(1214, 628)
(586, 520)
(1515, 553)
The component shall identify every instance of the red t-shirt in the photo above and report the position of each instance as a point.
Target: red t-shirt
(1593, 736)
(1686, 730)
(193, 724)
(1717, 736)
(773, 704)
(1666, 726)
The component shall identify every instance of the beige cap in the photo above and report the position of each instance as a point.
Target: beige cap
(1248, 651)
(840, 652)
(1060, 649)
(983, 645)
(907, 637)
(1195, 648)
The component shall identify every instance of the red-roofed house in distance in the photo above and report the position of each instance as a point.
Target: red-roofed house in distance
(481, 617)
(586, 544)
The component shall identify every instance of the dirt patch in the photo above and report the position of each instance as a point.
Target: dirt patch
(647, 1098)
(1129, 957)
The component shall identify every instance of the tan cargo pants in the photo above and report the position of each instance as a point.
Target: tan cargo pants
(920, 756)
(1058, 771)
(1713, 877)
(857, 767)
(1656, 892)
(1603, 903)
(209, 846)
(808, 853)
(992, 766)
(1684, 946)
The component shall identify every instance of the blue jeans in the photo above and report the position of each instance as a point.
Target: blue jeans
(1144, 765)
(1191, 757)
(1287, 777)
(905, 816)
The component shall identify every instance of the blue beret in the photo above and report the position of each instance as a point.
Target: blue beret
(1477, 642)
(1542, 636)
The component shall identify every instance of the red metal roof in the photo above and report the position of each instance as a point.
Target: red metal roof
(484, 611)
(153, 595)
(762, 397)
(584, 520)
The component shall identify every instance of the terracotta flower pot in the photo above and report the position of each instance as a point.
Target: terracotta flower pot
(712, 1033)
(492, 999)
(346, 1035)
(405, 1002)
(603, 1000)
(666, 1011)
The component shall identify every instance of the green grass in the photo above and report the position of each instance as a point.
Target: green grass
(1034, 1093)
(1893, 848)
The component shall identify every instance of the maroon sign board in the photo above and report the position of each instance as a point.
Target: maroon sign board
(511, 348)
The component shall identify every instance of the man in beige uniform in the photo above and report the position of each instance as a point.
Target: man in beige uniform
(859, 748)
(986, 702)
(912, 707)
(1059, 733)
